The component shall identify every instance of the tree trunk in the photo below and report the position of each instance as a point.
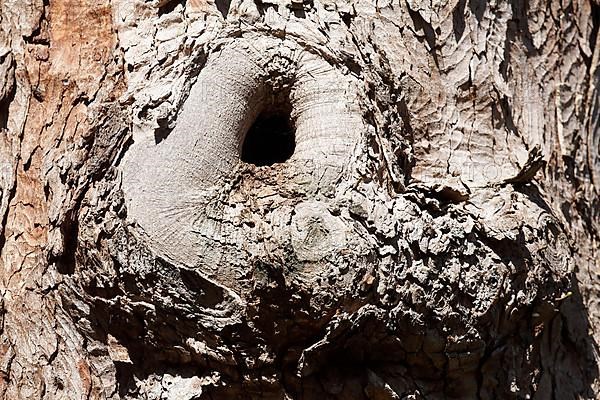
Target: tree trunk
(298, 199)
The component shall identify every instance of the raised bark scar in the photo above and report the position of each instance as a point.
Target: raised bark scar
(169, 184)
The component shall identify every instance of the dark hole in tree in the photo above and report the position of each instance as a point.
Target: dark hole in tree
(270, 140)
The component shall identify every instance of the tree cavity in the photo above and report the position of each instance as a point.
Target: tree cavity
(272, 137)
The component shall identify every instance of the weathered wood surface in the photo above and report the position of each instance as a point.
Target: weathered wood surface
(434, 234)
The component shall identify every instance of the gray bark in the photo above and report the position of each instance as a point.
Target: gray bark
(434, 234)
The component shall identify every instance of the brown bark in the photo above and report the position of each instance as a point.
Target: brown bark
(433, 234)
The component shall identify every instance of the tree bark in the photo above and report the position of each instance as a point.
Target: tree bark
(433, 233)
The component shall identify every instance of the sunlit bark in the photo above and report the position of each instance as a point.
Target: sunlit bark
(418, 216)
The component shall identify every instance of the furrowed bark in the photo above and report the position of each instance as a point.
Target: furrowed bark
(433, 232)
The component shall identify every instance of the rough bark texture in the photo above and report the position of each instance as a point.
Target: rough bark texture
(435, 233)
